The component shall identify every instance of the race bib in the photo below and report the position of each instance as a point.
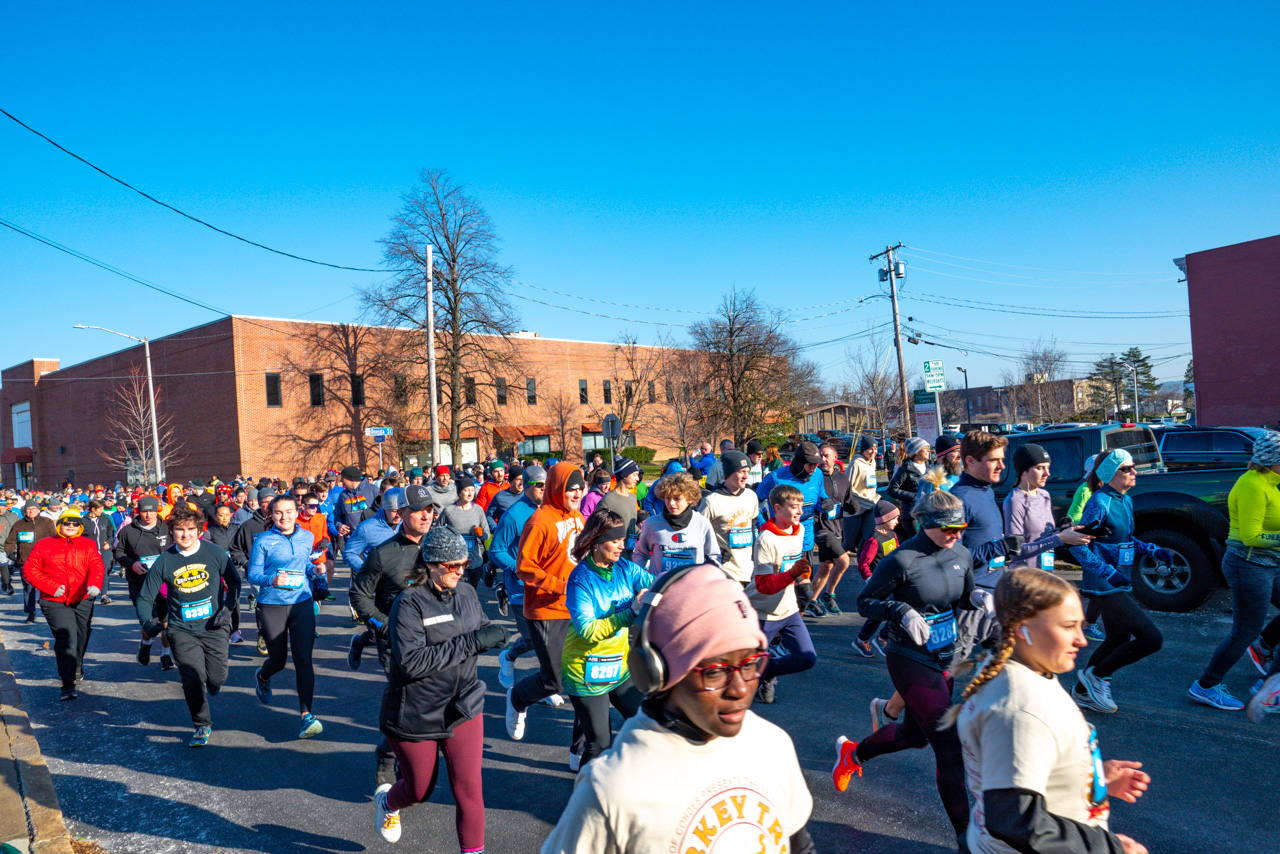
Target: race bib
(677, 558)
(741, 538)
(201, 610)
(996, 563)
(871, 481)
(1124, 554)
(1046, 560)
(148, 561)
(788, 561)
(293, 580)
(602, 669)
(1098, 789)
(942, 630)
(631, 541)
(834, 512)
(471, 541)
(26, 536)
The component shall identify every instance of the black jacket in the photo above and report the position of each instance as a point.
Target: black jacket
(432, 684)
(242, 540)
(24, 535)
(136, 542)
(206, 502)
(380, 580)
(903, 487)
(101, 530)
(220, 536)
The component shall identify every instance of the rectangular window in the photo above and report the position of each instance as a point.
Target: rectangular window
(608, 391)
(500, 390)
(531, 393)
(400, 390)
(273, 390)
(653, 394)
(671, 391)
(583, 397)
(534, 445)
(357, 390)
(316, 384)
(469, 390)
(627, 390)
(20, 419)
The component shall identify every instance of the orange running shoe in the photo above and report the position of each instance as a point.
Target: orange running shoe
(846, 763)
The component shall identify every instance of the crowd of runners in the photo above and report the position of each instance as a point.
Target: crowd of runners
(679, 605)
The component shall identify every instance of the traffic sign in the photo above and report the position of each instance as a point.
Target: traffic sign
(379, 438)
(934, 379)
(611, 427)
(378, 431)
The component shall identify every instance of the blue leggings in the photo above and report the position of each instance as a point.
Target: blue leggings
(792, 633)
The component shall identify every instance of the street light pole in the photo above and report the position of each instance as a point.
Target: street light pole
(891, 267)
(1137, 417)
(151, 394)
(431, 356)
(968, 411)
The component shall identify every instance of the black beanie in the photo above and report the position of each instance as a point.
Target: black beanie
(865, 443)
(1026, 457)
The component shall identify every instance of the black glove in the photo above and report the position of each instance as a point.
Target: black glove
(152, 628)
(220, 620)
(1013, 544)
(828, 504)
(489, 637)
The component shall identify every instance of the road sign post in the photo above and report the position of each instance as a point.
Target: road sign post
(379, 435)
(611, 429)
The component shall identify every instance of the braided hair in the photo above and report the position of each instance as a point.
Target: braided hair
(1020, 595)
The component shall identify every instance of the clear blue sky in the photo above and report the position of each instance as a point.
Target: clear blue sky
(652, 155)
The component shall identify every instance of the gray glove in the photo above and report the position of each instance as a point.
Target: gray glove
(983, 601)
(915, 626)
(92, 592)
(1013, 544)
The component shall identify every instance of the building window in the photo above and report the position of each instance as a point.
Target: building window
(583, 397)
(531, 392)
(273, 390)
(534, 444)
(671, 391)
(500, 390)
(357, 390)
(400, 390)
(469, 390)
(653, 394)
(316, 384)
(608, 391)
(627, 391)
(597, 442)
(20, 419)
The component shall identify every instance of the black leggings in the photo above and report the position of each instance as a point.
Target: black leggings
(593, 711)
(290, 627)
(1131, 636)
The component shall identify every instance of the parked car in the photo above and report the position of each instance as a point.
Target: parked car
(1205, 447)
(788, 450)
(843, 441)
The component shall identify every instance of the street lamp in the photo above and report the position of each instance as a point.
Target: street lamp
(968, 411)
(151, 392)
(1137, 418)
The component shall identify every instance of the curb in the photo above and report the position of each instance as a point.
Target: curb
(22, 763)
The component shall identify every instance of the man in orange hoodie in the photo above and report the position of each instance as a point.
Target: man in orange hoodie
(544, 564)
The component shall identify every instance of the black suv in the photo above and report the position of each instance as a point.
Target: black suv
(1206, 447)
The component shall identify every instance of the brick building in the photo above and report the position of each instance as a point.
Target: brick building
(259, 396)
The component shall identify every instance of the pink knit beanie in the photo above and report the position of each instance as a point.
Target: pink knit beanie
(702, 615)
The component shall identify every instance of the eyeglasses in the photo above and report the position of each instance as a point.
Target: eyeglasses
(715, 677)
(953, 529)
(1126, 469)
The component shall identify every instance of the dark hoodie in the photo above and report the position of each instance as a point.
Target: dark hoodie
(544, 562)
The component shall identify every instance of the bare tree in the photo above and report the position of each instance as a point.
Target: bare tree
(634, 376)
(1039, 386)
(676, 418)
(871, 379)
(755, 374)
(473, 317)
(127, 445)
(563, 409)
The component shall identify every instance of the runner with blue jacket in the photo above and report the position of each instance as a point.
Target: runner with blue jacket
(504, 552)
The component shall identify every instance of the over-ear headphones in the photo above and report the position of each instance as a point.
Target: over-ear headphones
(648, 667)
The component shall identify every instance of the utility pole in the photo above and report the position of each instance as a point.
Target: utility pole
(431, 356)
(891, 268)
(151, 393)
(1137, 418)
(968, 410)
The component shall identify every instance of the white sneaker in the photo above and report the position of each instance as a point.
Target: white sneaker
(1099, 690)
(879, 717)
(555, 701)
(1266, 698)
(506, 670)
(515, 720)
(575, 761)
(388, 819)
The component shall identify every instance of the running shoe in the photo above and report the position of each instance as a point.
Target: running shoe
(262, 644)
(79, 674)
(829, 602)
(863, 648)
(1260, 656)
(144, 654)
(388, 819)
(575, 761)
(354, 649)
(767, 692)
(68, 694)
(515, 719)
(310, 726)
(1095, 632)
(31, 618)
(261, 687)
(878, 643)
(555, 701)
(880, 717)
(104, 600)
(201, 737)
(236, 637)
(506, 670)
(847, 763)
(504, 604)
(1266, 699)
(1218, 696)
(815, 609)
(1095, 690)
(166, 662)
(253, 601)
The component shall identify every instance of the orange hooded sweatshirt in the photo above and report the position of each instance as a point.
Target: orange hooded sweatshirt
(544, 563)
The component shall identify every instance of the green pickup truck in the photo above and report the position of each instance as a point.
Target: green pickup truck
(1183, 511)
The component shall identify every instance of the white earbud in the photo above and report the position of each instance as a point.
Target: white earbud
(1026, 636)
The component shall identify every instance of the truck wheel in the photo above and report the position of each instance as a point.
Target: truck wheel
(1185, 585)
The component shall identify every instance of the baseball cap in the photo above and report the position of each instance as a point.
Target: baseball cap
(534, 474)
(393, 499)
(809, 452)
(148, 502)
(416, 497)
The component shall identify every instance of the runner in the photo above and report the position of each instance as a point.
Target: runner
(504, 553)
(695, 757)
(1032, 761)
(310, 518)
(755, 453)
(800, 474)
(1108, 561)
(443, 492)
(467, 519)
(99, 528)
(505, 498)
(1252, 568)
(862, 485)
(23, 536)
(280, 565)
(137, 547)
(947, 467)
(881, 543)
(434, 700)
(829, 533)
(1028, 511)
(731, 510)
(918, 588)
(345, 506)
(603, 597)
(201, 587)
(67, 570)
(779, 565)
(905, 482)
(600, 479)
(622, 500)
(677, 536)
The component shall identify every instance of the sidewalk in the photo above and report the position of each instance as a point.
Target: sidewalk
(30, 815)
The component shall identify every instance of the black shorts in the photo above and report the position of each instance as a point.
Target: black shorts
(829, 547)
(161, 609)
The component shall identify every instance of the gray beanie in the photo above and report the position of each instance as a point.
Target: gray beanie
(915, 445)
(1266, 450)
(443, 545)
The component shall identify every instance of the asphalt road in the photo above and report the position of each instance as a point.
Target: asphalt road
(128, 781)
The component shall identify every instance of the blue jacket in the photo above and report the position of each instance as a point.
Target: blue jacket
(814, 491)
(703, 464)
(1108, 563)
(372, 533)
(986, 528)
(599, 615)
(500, 504)
(504, 550)
(274, 553)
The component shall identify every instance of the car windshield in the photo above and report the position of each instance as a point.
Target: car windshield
(1138, 441)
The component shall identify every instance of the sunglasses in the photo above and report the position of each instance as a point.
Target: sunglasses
(953, 529)
(538, 483)
(1127, 469)
(312, 506)
(454, 567)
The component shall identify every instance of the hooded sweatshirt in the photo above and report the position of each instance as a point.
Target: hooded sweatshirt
(545, 563)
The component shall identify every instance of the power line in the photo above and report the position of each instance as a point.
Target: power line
(182, 213)
(596, 314)
(1021, 267)
(1038, 278)
(959, 302)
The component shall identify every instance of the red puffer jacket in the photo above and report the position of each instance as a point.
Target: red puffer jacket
(57, 562)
